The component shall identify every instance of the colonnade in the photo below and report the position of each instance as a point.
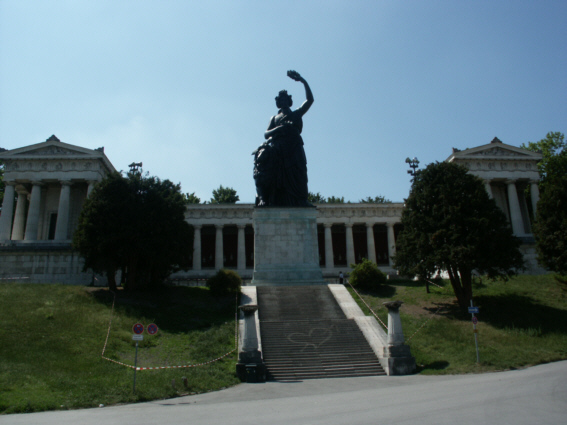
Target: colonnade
(517, 219)
(243, 251)
(16, 226)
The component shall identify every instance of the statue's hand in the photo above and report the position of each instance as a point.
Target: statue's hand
(294, 75)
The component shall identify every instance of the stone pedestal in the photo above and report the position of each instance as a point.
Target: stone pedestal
(397, 354)
(285, 247)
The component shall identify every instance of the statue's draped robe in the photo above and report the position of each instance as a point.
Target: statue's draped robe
(281, 166)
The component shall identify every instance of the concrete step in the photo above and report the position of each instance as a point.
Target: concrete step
(305, 335)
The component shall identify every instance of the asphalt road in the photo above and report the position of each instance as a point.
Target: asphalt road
(537, 395)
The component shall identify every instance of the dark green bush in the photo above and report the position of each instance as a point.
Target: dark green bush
(366, 275)
(224, 283)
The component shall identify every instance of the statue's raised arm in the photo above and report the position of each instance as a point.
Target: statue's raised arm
(294, 75)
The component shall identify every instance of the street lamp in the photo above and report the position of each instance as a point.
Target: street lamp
(413, 164)
(134, 166)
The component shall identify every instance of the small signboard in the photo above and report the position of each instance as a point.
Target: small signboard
(138, 329)
(152, 329)
(474, 320)
(137, 337)
(473, 310)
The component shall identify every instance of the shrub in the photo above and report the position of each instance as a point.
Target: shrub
(224, 283)
(366, 275)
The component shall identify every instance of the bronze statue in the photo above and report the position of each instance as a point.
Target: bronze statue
(280, 165)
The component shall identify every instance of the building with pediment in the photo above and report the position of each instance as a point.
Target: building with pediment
(47, 184)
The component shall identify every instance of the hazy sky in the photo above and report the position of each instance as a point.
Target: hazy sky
(188, 87)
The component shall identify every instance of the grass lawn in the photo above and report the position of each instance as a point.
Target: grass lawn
(52, 337)
(522, 322)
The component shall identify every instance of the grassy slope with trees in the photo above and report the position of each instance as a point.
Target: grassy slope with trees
(52, 338)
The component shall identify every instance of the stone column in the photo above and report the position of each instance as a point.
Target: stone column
(398, 355)
(488, 188)
(219, 250)
(7, 212)
(241, 254)
(515, 212)
(534, 191)
(197, 247)
(33, 213)
(62, 225)
(91, 186)
(370, 245)
(20, 218)
(391, 243)
(329, 255)
(349, 245)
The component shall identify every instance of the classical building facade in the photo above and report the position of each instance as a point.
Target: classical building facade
(47, 184)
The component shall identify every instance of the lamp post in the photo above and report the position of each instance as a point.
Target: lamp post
(413, 164)
(135, 166)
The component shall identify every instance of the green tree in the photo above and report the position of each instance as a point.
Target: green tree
(366, 275)
(451, 224)
(316, 198)
(224, 195)
(2, 185)
(550, 227)
(336, 200)
(134, 223)
(551, 146)
(191, 198)
(375, 200)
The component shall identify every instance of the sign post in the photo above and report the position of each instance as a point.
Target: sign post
(474, 310)
(138, 329)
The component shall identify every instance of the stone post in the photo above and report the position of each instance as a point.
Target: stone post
(241, 253)
(534, 191)
(398, 355)
(7, 212)
(219, 249)
(20, 218)
(371, 246)
(329, 255)
(349, 245)
(515, 212)
(197, 247)
(33, 213)
(62, 226)
(250, 366)
(391, 243)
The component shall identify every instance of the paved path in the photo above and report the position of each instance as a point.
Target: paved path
(537, 395)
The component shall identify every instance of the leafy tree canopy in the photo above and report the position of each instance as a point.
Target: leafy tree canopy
(224, 195)
(2, 185)
(554, 160)
(191, 198)
(336, 200)
(451, 224)
(316, 198)
(375, 200)
(550, 227)
(134, 223)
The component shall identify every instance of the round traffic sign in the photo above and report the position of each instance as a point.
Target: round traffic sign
(474, 320)
(152, 329)
(138, 328)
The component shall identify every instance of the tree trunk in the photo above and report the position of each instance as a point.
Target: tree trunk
(466, 279)
(111, 277)
(457, 287)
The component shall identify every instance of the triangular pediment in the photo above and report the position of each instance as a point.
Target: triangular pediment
(495, 150)
(52, 147)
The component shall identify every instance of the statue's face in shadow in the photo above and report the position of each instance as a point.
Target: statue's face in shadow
(283, 100)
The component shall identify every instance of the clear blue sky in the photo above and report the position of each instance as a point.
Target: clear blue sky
(188, 87)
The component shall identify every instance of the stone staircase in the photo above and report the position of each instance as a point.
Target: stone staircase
(305, 335)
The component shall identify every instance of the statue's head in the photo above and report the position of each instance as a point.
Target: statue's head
(283, 99)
